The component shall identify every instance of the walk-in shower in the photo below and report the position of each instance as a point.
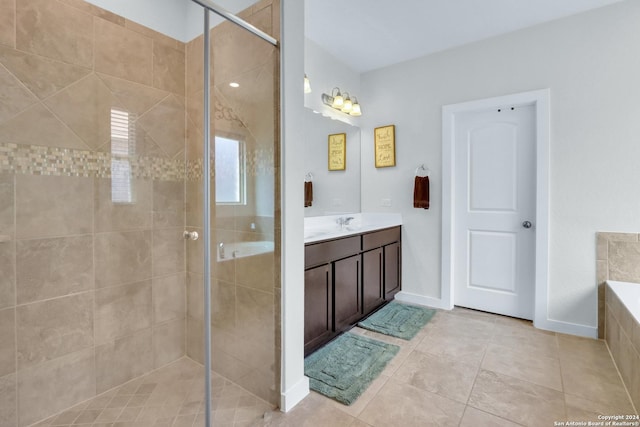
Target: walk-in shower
(106, 309)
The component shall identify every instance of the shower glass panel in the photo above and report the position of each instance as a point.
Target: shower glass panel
(245, 282)
(100, 174)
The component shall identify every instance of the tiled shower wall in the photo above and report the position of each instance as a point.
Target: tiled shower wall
(619, 259)
(92, 290)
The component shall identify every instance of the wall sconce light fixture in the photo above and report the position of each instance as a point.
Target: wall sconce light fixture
(307, 84)
(342, 102)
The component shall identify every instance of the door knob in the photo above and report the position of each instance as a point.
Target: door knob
(527, 224)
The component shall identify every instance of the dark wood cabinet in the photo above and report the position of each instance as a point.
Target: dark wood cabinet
(318, 297)
(346, 285)
(346, 279)
(392, 263)
(372, 284)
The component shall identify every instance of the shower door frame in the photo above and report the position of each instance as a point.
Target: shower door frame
(210, 6)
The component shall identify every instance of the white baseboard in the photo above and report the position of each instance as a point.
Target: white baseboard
(567, 328)
(421, 300)
(294, 395)
(547, 324)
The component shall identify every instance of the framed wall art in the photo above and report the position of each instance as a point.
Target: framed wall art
(385, 146)
(338, 152)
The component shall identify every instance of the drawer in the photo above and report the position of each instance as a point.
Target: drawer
(319, 253)
(380, 238)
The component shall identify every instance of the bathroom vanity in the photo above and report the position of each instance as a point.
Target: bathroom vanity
(350, 271)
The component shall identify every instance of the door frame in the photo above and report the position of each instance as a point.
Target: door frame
(540, 100)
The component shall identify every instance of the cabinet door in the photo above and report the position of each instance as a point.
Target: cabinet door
(372, 289)
(318, 325)
(346, 286)
(391, 270)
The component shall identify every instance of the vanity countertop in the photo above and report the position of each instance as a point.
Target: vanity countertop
(318, 228)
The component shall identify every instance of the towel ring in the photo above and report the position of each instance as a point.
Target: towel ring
(422, 170)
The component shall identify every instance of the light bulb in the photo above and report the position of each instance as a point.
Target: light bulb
(338, 101)
(348, 105)
(355, 110)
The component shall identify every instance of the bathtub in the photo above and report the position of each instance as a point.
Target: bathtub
(622, 332)
(243, 249)
(629, 295)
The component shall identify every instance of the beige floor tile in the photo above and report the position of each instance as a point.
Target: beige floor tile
(536, 342)
(438, 375)
(516, 400)
(426, 384)
(599, 383)
(519, 363)
(475, 418)
(463, 324)
(363, 400)
(399, 404)
(473, 314)
(313, 411)
(585, 351)
(455, 344)
(579, 409)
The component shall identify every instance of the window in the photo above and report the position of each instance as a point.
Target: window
(122, 139)
(230, 171)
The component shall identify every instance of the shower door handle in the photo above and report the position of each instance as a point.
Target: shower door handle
(190, 235)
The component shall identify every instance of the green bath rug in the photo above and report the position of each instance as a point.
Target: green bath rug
(398, 320)
(345, 367)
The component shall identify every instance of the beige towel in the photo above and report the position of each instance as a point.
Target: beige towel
(421, 192)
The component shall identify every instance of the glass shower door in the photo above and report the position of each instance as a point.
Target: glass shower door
(244, 195)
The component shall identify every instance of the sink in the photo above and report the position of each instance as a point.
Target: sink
(310, 233)
(328, 226)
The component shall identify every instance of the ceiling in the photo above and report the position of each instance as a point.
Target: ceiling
(371, 34)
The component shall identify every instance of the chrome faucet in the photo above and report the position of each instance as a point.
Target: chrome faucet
(342, 221)
(221, 250)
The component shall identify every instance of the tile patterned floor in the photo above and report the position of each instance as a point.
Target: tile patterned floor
(464, 368)
(472, 369)
(170, 396)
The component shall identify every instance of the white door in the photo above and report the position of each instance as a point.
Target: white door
(494, 230)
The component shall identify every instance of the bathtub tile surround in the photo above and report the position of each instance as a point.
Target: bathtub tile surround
(617, 258)
(623, 333)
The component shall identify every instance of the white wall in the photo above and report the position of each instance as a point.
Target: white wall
(326, 72)
(591, 64)
(334, 192)
(294, 385)
(180, 19)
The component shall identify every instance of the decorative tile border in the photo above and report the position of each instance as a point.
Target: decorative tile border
(55, 161)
